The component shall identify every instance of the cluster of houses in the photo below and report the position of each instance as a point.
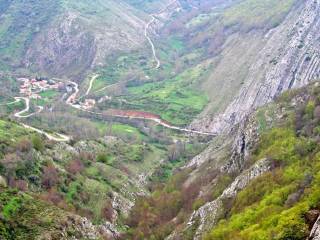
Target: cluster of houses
(32, 87)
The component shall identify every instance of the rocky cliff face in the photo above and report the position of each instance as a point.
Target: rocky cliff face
(231, 154)
(315, 232)
(289, 59)
(66, 49)
(208, 214)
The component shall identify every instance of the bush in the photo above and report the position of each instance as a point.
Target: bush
(50, 177)
(310, 108)
(37, 143)
(24, 145)
(75, 166)
(104, 158)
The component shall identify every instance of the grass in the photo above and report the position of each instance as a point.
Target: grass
(11, 207)
(176, 44)
(12, 107)
(199, 20)
(97, 192)
(72, 191)
(26, 217)
(49, 94)
(176, 100)
(47, 97)
(255, 13)
(124, 67)
(149, 6)
(119, 129)
(10, 131)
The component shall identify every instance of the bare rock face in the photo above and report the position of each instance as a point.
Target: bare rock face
(246, 137)
(315, 232)
(80, 38)
(207, 216)
(65, 49)
(289, 59)
(75, 227)
(230, 154)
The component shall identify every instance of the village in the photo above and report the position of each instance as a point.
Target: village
(31, 87)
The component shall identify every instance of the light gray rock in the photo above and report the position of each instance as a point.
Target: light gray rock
(290, 59)
(210, 212)
(208, 215)
(315, 232)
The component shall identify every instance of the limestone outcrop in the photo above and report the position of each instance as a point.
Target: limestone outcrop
(289, 59)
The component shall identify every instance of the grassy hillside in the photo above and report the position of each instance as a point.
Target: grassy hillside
(253, 13)
(151, 6)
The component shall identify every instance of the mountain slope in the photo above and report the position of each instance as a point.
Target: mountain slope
(261, 183)
(170, 62)
(66, 37)
(26, 217)
(286, 58)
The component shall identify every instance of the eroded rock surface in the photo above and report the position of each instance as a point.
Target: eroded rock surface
(289, 59)
(315, 232)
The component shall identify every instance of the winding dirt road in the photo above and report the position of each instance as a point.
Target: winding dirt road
(10, 103)
(91, 83)
(59, 138)
(146, 30)
(150, 41)
(106, 87)
(165, 124)
(73, 97)
(26, 109)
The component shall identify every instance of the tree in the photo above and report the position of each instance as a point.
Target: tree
(24, 145)
(75, 166)
(107, 211)
(316, 113)
(10, 163)
(50, 177)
